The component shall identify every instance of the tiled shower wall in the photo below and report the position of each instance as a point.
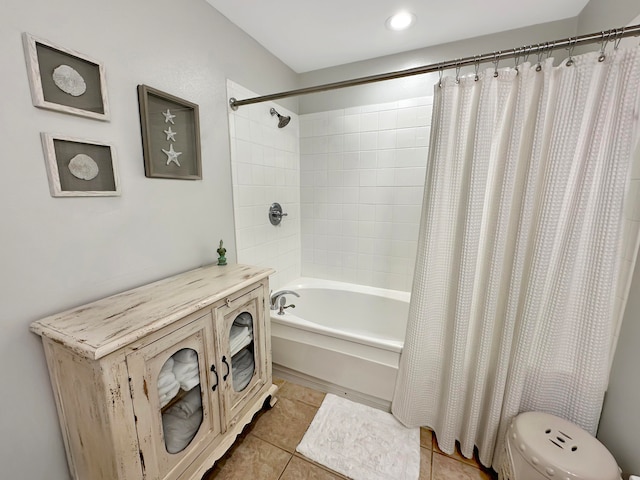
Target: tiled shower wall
(361, 181)
(265, 168)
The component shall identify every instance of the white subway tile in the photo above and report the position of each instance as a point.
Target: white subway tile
(335, 178)
(369, 141)
(367, 212)
(368, 122)
(384, 213)
(365, 229)
(351, 178)
(350, 212)
(334, 161)
(386, 158)
(383, 230)
(351, 123)
(350, 161)
(385, 177)
(368, 160)
(350, 195)
(336, 123)
(407, 117)
(410, 176)
(406, 138)
(365, 245)
(336, 143)
(367, 178)
(306, 126)
(387, 139)
(388, 120)
(352, 142)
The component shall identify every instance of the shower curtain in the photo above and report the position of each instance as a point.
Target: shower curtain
(519, 249)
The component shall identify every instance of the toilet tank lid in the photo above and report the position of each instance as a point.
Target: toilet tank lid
(553, 444)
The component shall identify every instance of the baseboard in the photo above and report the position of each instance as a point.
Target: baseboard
(305, 380)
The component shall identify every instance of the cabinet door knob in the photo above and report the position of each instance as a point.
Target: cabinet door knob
(224, 360)
(228, 301)
(213, 369)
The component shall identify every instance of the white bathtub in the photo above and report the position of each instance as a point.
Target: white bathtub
(342, 338)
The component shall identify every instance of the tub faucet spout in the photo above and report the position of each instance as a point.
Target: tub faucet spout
(275, 296)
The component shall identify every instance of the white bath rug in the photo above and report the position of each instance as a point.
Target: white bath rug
(361, 442)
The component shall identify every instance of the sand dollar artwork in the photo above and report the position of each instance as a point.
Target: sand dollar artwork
(83, 167)
(69, 80)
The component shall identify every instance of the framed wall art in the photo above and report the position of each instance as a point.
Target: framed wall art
(80, 168)
(64, 80)
(170, 135)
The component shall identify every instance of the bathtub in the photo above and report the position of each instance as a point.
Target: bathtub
(341, 338)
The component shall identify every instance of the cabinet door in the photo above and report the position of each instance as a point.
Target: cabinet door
(175, 398)
(241, 347)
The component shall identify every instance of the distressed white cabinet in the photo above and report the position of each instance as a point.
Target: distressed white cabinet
(155, 383)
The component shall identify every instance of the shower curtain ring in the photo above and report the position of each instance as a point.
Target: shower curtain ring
(516, 59)
(618, 38)
(539, 62)
(551, 48)
(496, 60)
(458, 67)
(603, 46)
(440, 73)
(477, 67)
(572, 45)
(527, 51)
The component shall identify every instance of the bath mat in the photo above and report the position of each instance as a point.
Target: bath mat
(361, 442)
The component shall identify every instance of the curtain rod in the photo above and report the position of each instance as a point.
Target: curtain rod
(614, 35)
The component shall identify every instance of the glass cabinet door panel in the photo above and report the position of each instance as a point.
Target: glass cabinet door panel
(175, 398)
(242, 349)
(180, 399)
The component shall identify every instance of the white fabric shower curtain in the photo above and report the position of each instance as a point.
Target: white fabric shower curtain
(519, 249)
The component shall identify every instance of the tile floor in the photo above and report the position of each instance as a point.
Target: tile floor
(266, 448)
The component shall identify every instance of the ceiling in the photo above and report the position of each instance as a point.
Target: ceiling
(310, 35)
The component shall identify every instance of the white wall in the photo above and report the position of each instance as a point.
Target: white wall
(619, 427)
(61, 252)
(419, 85)
(362, 181)
(265, 169)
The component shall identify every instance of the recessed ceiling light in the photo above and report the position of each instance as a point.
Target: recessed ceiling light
(400, 21)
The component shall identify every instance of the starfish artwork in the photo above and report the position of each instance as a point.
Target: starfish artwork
(168, 117)
(172, 155)
(171, 135)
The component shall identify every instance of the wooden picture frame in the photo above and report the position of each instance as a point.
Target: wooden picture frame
(169, 153)
(65, 80)
(80, 168)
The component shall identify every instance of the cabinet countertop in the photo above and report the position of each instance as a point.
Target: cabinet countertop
(102, 327)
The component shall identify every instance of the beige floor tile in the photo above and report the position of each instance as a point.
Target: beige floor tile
(285, 424)
(447, 468)
(278, 381)
(426, 438)
(250, 458)
(425, 463)
(293, 391)
(299, 469)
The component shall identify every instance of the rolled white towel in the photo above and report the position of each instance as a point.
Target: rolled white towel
(166, 378)
(178, 431)
(169, 394)
(184, 370)
(168, 365)
(186, 355)
(238, 336)
(188, 405)
(244, 320)
(189, 383)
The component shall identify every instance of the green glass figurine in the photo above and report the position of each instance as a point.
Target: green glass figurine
(222, 260)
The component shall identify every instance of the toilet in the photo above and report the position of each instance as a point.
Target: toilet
(541, 446)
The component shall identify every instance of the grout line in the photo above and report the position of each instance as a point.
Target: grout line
(285, 467)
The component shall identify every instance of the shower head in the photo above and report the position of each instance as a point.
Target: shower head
(282, 120)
